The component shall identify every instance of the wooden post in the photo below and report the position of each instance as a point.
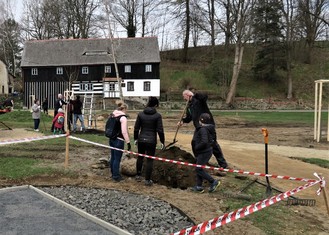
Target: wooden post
(328, 123)
(325, 199)
(316, 111)
(67, 149)
(319, 113)
(325, 196)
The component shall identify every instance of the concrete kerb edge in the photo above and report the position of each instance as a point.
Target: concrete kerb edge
(84, 214)
(13, 188)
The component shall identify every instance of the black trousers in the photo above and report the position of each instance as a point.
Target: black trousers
(148, 149)
(201, 174)
(217, 151)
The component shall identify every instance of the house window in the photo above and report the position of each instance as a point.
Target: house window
(59, 70)
(147, 86)
(107, 69)
(127, 68)
(130, 86)
(85, 70)
(34, 71)
(112, 86)
(148, 68)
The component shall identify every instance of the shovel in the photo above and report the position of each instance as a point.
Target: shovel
(178, 126)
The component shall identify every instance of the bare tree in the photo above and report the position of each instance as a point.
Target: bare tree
(204, 16)
(310, 14)
(45, 19)
(289, 8)
(242, 32)
(113, 51)
(125, 13)
(10, 44)
(80, 16)
(227, 22)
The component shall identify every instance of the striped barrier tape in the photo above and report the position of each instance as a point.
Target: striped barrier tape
(216, 222)
(15, 141)
(241, 213)
(195, 165)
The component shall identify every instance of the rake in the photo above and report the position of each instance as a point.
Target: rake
(293, 201)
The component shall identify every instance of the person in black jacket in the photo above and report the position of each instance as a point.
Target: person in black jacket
(196, 106)
(148, 124)
(202, 143)
(77, 113)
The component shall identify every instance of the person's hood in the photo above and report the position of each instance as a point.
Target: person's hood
(150, 110)
(210, 127)
(118, 113)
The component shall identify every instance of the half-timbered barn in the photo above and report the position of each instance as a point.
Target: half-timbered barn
(87, 66)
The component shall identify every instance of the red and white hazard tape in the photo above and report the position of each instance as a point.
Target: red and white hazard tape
(241, 213)
(219, 221)
(195, 165)
(23, 140)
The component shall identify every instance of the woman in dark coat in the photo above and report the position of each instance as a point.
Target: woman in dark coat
(148, 124)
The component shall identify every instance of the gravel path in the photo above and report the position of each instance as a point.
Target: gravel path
(134, 213)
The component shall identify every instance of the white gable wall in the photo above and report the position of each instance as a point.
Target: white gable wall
(139, 88)
(3, 79)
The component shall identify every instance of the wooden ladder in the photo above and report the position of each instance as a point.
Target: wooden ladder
(89, 111)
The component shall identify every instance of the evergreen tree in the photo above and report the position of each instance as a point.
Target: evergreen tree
(267, 28)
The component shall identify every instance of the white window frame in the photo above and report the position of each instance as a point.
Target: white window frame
(112, 86)
(107, 69)
(34, 71)
(59, 70)
(127, 68)
(130, 85)
(147, 84)
(85, 70)
(148, 68)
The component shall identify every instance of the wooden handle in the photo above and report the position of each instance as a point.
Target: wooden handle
(181, 118)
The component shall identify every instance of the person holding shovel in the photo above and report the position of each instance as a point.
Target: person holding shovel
(197, 104)
(148, 124)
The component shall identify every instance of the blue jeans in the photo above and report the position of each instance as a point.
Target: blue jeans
(115, 158)
(36, 123)
(75, 119)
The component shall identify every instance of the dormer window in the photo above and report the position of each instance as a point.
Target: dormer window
(95, 53)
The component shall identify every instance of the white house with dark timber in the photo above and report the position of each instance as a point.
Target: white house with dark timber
(87, 66)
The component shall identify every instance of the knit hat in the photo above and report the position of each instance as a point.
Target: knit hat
(205, 118)
(153, 102)
(60, 110)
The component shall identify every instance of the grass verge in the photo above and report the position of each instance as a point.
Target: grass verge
(18, 167)
(316, 161)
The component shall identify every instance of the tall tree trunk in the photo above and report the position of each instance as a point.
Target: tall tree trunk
(239, 48)
(187, 32)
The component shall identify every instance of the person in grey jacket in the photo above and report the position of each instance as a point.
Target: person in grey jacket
(36, 113)
(202, 147)
(148, 124)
